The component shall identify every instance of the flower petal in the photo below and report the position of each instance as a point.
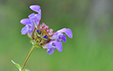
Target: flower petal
(35, 19)
(60, 37)
(31, 28)
(64, 38)
(25, 21)
(36, 8)
(55, 36)
(25, 30)
(50, 51)
(59, 46)
(52, 45)
(68, 32)
(33, 14)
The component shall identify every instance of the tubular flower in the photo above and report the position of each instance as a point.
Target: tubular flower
(40, 35)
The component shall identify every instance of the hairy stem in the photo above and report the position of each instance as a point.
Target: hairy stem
(27, 57)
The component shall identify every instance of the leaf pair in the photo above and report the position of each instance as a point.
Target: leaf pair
(18, 66)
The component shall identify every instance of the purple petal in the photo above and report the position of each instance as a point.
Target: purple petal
(55, 36)
(51, 48)
(50, 51)
(68, 32)
(64, 38)
(33, 14)
(62, 30)
(25, 21)
(31, 30)
(52, 45)
(59, 46)
(25, 30)
(36, 8)
(61, 37)
(35, 19)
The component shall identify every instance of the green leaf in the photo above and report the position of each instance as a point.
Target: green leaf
(18, 66)
(25, 70)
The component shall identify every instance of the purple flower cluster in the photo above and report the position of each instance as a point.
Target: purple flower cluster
(40, 34)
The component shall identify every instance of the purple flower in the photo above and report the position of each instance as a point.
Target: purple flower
(68, 32)
(54, 45)
(59, 36)
(27, 29)
(40, 34)
(32, 21)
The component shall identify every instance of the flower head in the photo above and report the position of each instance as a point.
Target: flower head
(40, 35)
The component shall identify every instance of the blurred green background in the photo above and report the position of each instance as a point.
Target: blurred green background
(90, 49)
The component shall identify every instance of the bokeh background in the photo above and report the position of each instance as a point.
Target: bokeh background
(90, 49)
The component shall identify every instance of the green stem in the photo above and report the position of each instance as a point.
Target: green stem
(27, 57)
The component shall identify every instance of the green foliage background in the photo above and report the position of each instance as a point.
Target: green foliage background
(80, 53)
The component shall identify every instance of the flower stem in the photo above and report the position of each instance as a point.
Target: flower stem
(27, 57)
